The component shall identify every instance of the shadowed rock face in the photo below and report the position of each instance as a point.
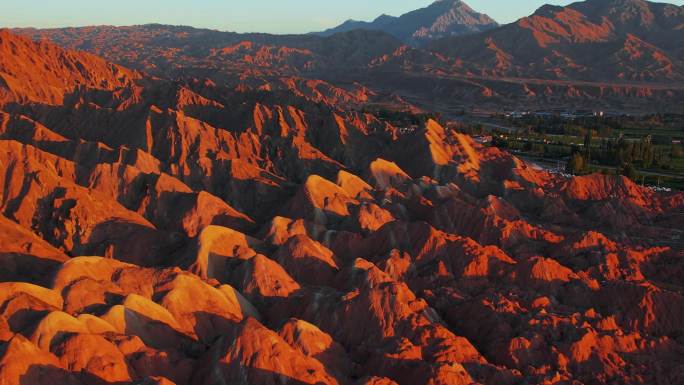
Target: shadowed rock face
(182, 232)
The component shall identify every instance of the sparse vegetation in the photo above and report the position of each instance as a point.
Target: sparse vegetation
(647, 149)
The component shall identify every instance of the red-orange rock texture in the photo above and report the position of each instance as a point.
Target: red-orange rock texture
(183, 232)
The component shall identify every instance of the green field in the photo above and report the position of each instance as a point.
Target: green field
(648, 148)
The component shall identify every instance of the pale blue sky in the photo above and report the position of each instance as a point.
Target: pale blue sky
(272, 16)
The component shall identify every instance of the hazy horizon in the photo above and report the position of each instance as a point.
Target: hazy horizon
(268, 16)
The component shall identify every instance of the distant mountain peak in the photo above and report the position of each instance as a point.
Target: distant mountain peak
(384, 19)
(451, 2)
(594, 40)
(440, 19)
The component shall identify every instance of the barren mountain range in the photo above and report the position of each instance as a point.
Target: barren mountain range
(595, 40)
(440, 19)
(620, 55)
(184, 206)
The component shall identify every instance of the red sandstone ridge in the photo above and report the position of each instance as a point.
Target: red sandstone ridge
(53, 73)
(187, 232)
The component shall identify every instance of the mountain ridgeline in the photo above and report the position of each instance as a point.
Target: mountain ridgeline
(441, 19)
(620, 55)
(595, 40)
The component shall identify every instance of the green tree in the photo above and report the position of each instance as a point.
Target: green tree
(647, 152)
(576, 164)
(676, 151)
(587, 146)
(623, 152)
(629, 171)
(634, 151)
